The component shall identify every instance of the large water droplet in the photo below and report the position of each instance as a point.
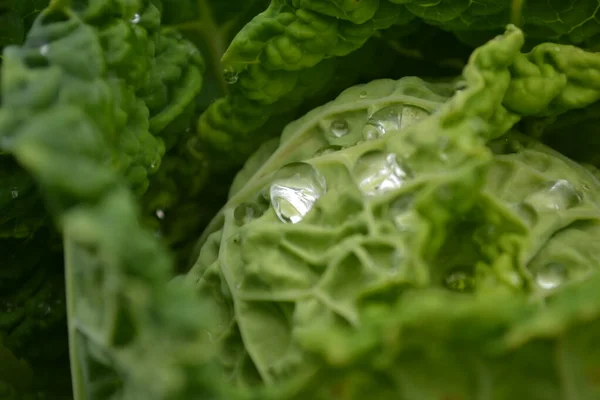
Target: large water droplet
(327, 150)
(460, 280)
(246, 212)
(14, 193)
(294, 191)
(377, 172)
(392, 118)
(160, 214)
(559, 195)
(136, 19)
(551, 276)
(339, 128)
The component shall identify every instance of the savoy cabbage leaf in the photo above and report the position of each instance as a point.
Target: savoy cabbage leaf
(416, 216)
(293, 43)
(396, 205)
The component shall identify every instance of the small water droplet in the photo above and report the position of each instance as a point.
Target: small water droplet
(294, 191)
(362, 94)
(460, 280)
(44, 50)
(246, 212)
(559, 195)
(230, 76)
(372, 132)
(160, 214)
(339, 128)
(14, 193)
(327, 150)
(551, 276)
(136, 19)
(377, 172)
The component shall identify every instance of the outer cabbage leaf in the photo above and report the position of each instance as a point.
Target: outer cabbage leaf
(279, 58)
(389, 220)
(120, 303)
(183, 194)
(82, 78)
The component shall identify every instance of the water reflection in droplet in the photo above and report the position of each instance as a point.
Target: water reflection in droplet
(377, 172)
(339, 128)
(230, 76)
(392, 118)
(551, 276)
(557, 196)
(294, 191)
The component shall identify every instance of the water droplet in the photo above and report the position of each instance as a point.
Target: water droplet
(230, 76)
(327, 150)
(246, 212)
(160, 214)
(377, 172)
(14, 193)
(551, 276)
(339, 128)
(136, 19)
(460, 280)
(294, 191)
(392, 118)
(559, 195)
(402, 213)
(372, 132)
(362, 94)
(44, 50)
(406, 222)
